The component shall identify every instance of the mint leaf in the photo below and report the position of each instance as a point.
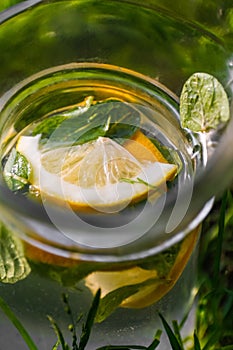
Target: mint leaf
(16, 171)
(48, 125)
(13, 264)
(108, 118)
(204, 103)
(109, 303)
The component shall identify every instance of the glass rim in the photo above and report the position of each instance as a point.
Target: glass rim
(14, 10)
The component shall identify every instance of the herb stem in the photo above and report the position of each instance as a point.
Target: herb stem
(203, 137)
(24, 334)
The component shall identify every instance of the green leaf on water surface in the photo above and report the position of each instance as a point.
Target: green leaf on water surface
(48, 125)
(13, 264)
(108, 118)
(16, 171)
(204, 103)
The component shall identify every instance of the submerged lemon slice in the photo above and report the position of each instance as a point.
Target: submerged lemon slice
(149, 294)
(101, 174)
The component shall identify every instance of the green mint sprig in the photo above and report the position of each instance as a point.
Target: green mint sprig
(17, 171)
(204, 108)
(13, 264)
(204, 103)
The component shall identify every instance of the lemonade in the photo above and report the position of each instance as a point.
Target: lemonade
(109, 166)
(106, 157)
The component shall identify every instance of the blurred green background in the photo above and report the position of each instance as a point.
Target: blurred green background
(216, 15)
(7, 3)
(136, 38)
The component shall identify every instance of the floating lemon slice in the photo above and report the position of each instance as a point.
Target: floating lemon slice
(101, 174)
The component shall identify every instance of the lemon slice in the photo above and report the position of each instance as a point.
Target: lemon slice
(109, 281)
(101, 174)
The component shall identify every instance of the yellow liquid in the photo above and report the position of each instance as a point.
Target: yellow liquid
(116, 276)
